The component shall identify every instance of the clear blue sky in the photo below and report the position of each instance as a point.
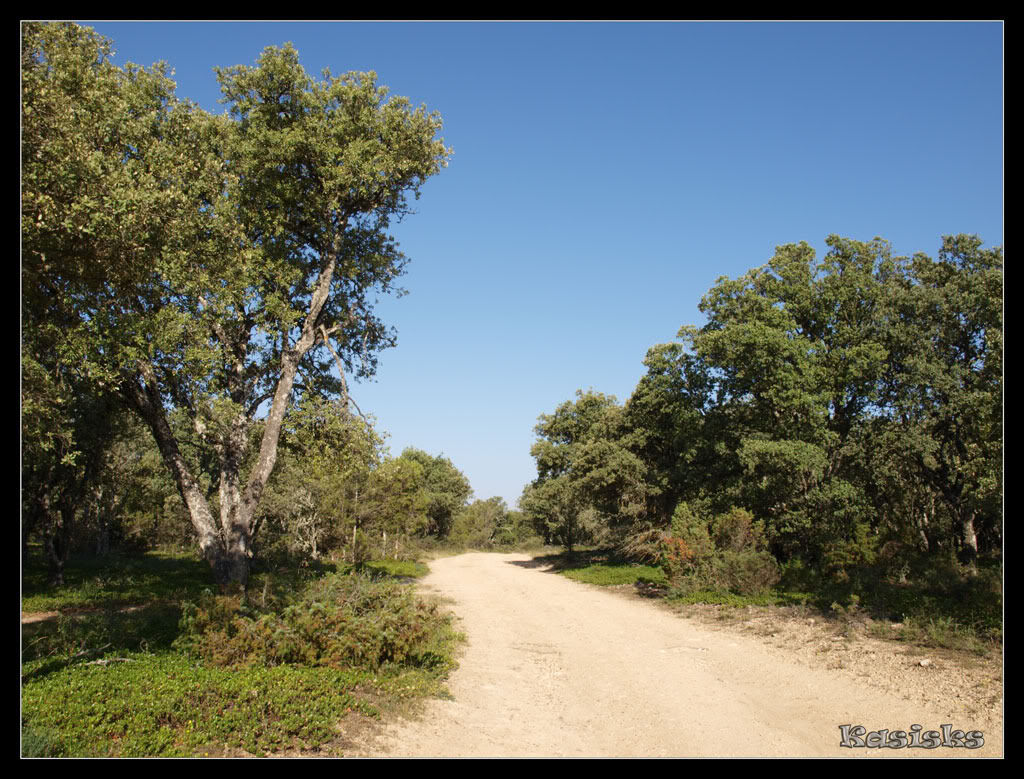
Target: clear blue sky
(606, 174)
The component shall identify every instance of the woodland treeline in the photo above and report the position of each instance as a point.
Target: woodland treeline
(840, 413)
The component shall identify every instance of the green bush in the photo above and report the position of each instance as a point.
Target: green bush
(747, 571)
(342, 621)
(168, 705)
(726, 554)
(103, 678)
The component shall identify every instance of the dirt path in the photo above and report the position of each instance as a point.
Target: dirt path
(557, 668)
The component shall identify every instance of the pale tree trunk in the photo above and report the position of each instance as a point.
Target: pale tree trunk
(102, 516)
(282, 395)
(102, 536)
(923, 526)
(146, 401)
(227, 548)
(235, 520)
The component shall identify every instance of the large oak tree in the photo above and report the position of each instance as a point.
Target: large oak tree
(217, 266)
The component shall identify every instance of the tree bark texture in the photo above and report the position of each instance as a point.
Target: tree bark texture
(227, 548)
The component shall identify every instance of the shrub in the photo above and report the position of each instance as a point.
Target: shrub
(725, 555)
(342, 621)
(748, 572)
(642, 545)
(166, 705)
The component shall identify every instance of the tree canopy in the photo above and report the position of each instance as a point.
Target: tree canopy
(851, 404)
(446, 488)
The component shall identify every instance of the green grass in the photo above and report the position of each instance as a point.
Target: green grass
(98, 582)
(774, 598)
(602, 567)
(165, 705)
(109, 676)
(399, 568)
(614, 574)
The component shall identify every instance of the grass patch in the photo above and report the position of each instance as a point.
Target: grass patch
(163, 677)
(602, 567)
(732, 599)
(614, 574)
(403, 569)
(166, 705)
(95, 582)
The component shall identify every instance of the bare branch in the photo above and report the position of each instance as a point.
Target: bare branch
(346, 398)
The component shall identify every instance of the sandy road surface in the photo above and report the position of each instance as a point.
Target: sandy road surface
(557, 668)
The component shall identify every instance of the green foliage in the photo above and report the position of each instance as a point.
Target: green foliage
(166, 705)
(446, 489)
(114, 581)
(933, 602)
(107, 680)
(194, 266)
(590, 486)
(343, 621)
(477, 525)
(615, 574)
(516, 529)
(328, 459)
(586, 443)
(37, 742)
(852, 403)
(726, 554)
(557, 515)
(734, 600)
(408, 569)
(603, 566)
(74, 638)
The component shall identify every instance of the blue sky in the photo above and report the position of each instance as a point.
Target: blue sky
(606, 174)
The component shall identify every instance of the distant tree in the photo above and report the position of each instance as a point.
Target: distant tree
(446, 488)
(556, 513)
(327, 456)
(478, 523)
(589, 480)
(388, 510)
(516, 528)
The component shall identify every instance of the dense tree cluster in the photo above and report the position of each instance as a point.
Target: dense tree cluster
(851, 405)
(206, 273)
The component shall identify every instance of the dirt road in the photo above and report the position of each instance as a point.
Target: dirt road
(557, 668)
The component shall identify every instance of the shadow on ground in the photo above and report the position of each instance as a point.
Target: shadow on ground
(561, 563)
(547, 563)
